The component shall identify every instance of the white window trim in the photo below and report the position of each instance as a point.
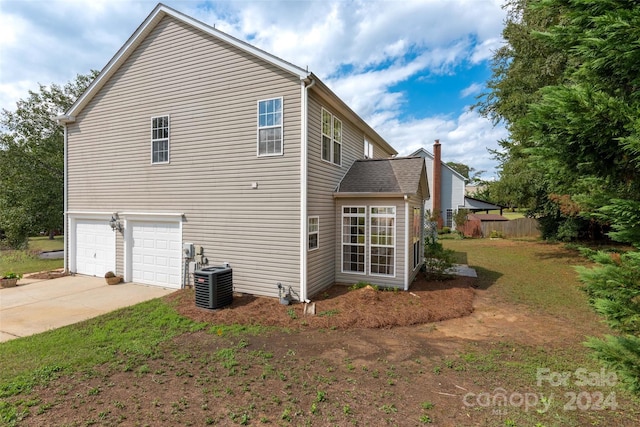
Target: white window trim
(309, 232)
(281, 126)
(331, 154)
(395, 237)
(449, 218)
(159, 139)
(342, 244)
(416, 239)
(368, 149)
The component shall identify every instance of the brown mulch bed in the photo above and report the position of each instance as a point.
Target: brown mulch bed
(340, 307)
(54, 274)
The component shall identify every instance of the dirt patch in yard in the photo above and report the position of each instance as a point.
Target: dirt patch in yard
(46, 275)
(342, 307)
(367, 358)
(402, 376)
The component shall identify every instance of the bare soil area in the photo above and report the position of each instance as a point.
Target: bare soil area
(367, 358)
(46, 275)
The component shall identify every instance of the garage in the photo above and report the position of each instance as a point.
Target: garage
(95, 247)
(156, 253)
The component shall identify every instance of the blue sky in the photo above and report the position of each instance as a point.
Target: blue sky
(411, 69)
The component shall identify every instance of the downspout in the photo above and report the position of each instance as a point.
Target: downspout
(406, 243)
(303, 187)
(65, 203)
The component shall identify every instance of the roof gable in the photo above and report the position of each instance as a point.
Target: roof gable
(154, 18)
(424, 153)
(398, 176)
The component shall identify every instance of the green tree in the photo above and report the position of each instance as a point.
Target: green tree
(568, 87)
(471, 175)
(522, 67)
(32, 161)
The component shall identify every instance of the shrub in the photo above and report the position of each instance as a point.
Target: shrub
(614, 291)
(437, 259)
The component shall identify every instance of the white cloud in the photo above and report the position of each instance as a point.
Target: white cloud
(473, 89)
(362, 49)
(465, 138)
(485, 50)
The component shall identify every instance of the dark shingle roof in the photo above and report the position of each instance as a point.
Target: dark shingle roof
(397, 175)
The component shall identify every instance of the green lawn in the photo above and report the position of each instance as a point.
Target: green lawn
(139, 342)
(507, 213)
(537, 274)
(43, 243)
(23, 262)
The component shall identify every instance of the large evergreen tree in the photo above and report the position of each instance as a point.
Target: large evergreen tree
(32, 161)
(568, 87)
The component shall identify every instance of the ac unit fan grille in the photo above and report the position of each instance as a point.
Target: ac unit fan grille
(213, 287)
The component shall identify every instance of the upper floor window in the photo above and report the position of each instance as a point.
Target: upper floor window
(331, 138)
(160, 139)
(270, 127)
(368, 150)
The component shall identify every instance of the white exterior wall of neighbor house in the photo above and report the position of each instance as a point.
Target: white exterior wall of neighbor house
(452, 189)
(323, 179)
(452, 192)
(210, 90)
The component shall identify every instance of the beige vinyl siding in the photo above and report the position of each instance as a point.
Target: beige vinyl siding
(323, 178)
(210, 90)
(416, 201)
(400, 249)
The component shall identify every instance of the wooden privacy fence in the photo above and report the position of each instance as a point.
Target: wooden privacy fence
(521, 227)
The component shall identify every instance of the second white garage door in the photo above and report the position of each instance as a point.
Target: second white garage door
(156, 253)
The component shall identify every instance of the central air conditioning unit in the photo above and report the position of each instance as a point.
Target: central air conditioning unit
(214, 287)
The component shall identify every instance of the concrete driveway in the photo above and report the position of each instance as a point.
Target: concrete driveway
(39, 305)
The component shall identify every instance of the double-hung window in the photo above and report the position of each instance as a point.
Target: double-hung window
(331, 138)
(368, 150)
(314, 231)
(383, 240)
(354, 239)
(160, 139)
(270, 127)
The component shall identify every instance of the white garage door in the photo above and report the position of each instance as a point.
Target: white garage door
(156, 253)
(95, 247)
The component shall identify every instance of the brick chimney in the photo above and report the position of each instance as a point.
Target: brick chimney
(437, 182)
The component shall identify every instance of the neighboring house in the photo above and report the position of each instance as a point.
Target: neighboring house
(189, 135)
(447, 189)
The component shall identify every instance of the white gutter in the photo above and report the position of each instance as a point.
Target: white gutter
(406, 243)
(65, 253)
(304, 98)
(367, 195)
